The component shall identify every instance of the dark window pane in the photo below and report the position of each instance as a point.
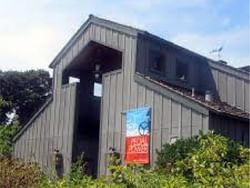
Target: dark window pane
(181, 70)
(156, 61)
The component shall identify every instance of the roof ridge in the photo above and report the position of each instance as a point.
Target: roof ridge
(134, 31)
(92, 17)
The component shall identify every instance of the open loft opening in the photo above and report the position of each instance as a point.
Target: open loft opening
(87, 69)
(95, 58)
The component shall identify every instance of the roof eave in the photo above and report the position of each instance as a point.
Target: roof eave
(139, 76)
(70, 42)
(194, 54)
(98, 21)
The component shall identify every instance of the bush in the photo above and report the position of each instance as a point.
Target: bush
(170, 153)
(6, 133)
(205, 161)
(214, 162)
(15, 173)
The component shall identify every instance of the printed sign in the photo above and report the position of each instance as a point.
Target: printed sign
(137, 137)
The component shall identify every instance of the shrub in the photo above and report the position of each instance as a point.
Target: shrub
(170, 153)
(205, 161)
(15, 173)
(136, 176)
(6, 133)
(214, 162)
(132, 176)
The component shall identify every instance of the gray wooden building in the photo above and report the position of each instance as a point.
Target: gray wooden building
(187, 92)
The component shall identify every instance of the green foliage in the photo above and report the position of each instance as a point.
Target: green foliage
(4, 106)
(170, 153)
(15, 174)
(136, 176)
(132, 176)
(23, 92)
(78, 170)
(215, 162)
(6, 133)
(205, 161)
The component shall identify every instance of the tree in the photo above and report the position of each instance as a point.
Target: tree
(23, 93)
(4, 106)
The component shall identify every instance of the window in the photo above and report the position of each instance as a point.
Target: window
(73, 80)
(181, 70)
(97, 89)
(156, 61)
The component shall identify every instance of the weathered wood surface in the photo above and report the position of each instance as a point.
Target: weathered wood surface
(172, 116)
(51, 129)
(229, 84)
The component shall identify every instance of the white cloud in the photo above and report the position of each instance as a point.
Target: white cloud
(235, 44)
(144, 5)
(33, 32)
(30, 48)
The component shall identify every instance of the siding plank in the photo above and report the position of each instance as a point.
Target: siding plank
(239, 93)
(186, 131)
(166, 120)
(247, 96)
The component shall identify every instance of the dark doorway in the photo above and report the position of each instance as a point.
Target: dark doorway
(94, 60)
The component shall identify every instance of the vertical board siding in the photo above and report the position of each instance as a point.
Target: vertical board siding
(232, 128)
(170, 119)
(35, 143)
(166, 120)
(222, 86)
(186, 122)
(120, 93)
(112, 109)
(175, 119)
(225, 83)
(104, 124)
(232, 89)
(196, 123)
(118, 120)
(157, 125)
(240, 93)
(247, 96)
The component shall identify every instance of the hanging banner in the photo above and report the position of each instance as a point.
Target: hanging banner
(138, 135)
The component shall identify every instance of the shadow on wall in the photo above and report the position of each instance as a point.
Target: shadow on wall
(174, 65)
(207, 82)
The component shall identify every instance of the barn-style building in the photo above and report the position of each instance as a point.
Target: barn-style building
(186, 92)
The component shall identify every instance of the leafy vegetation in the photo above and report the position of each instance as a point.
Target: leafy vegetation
(15, 173)
(204, 161)
(171, 153)
(6, 133)
(215, 162)
(23, 93)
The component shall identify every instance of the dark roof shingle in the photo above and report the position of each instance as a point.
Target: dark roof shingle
(215, 105)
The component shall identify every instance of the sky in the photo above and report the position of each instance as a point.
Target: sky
(32, 32)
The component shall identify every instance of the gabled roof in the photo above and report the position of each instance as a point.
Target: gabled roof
(94, 20)
(135, 32)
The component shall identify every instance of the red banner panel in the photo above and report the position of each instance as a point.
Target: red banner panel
(137, 149)
(138, 135)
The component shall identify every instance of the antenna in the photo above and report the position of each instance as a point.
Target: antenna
(218, 51)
